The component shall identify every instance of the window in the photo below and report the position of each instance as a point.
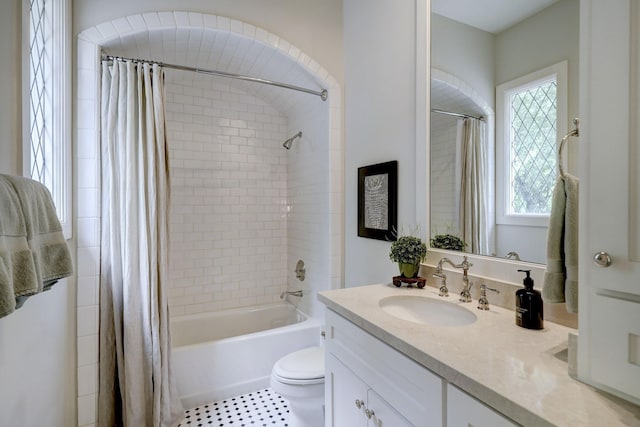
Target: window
(531, 115)
(46, 96)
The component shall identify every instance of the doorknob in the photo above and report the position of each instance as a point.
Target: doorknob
(602, 259)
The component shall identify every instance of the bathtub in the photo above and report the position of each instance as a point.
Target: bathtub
(231, 352)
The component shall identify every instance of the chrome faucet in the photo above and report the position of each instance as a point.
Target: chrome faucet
(465, 295)
(292, 293)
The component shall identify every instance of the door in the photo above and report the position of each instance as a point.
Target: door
(609, 340)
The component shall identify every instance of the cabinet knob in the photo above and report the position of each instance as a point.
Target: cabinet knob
(369, 413)
(602, 259)
(359, 403)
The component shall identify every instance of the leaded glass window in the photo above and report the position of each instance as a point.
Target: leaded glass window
(39, 100)
(533, 123)
(46, 99)
(531, 115)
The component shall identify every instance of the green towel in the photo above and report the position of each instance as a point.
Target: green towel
(17, 271)
(35, 253)
(561, 276)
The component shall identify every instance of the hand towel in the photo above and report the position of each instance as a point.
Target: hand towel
(17, 270)
(561, 276)
(571, 189)
(49, 251)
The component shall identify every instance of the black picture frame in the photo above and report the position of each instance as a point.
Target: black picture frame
(378, 201)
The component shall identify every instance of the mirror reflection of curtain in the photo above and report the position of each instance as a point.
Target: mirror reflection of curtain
(474, 185)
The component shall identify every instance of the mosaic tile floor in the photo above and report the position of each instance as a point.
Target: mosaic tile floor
(259, 408)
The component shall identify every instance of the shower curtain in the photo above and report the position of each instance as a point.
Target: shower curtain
(136, 387)
(474, 186)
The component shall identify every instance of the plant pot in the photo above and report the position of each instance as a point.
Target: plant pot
(409, 269)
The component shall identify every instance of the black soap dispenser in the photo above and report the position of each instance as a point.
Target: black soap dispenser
(529, 305)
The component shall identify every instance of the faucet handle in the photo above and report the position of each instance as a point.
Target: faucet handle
(465, 294)
(443, 291)
(483, 301)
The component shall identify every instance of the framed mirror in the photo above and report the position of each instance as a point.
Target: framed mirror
(496, 119)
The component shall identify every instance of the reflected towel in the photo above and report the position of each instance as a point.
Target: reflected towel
(561, 276)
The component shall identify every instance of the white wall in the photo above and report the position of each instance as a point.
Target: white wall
(545, 39)
(37, 350)
(37, 361)
(380, 120)
(465, 52)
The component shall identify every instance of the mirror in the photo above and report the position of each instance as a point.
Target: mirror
(476, 46)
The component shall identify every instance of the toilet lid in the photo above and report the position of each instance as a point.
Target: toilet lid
(305, 364)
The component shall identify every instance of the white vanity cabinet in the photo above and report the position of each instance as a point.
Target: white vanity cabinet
(368, 383)
(464, 411)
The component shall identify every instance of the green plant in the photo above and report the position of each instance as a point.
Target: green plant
(408, 250)
(448, 241)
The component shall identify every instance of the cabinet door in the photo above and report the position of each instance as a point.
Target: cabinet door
(609, 139)
(609, 342)
(465, 411)
(345, 396)
(384, 415)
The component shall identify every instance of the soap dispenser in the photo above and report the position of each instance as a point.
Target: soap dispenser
(529, 305)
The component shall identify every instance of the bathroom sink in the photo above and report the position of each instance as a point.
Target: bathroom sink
(428, 311)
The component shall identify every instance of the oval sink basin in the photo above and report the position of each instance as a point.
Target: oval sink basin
(429, 311)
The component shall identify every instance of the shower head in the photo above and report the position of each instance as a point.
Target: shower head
(287, 143)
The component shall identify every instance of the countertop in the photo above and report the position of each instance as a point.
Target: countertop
(521, 373)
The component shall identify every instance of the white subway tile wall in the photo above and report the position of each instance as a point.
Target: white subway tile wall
(308, 225)
(444, 203)
(228, 224)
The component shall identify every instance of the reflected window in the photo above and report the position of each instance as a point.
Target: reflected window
(532, 159)
(530, 108)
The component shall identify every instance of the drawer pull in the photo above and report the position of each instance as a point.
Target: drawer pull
(359, 403)
(369, 413)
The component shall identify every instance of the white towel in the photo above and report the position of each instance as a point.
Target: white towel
(561, 276)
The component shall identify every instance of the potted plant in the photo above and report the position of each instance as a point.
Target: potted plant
(448, 241)
(408, 252)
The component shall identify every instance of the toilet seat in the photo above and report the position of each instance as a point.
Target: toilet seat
(301, 367)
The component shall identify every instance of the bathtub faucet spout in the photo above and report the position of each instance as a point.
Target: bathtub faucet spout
(292, 293)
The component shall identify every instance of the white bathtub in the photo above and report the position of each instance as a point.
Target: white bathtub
(227, 353)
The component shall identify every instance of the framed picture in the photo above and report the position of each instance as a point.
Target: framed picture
(378, 201)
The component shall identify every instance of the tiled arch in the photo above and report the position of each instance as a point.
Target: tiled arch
(87, 165)
(464, 88)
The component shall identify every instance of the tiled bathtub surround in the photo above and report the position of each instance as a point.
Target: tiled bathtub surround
(229, 196)
(278, 55)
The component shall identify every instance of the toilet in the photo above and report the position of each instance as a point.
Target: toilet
(299, 378)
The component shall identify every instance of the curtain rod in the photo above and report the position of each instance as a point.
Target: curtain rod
(449, 113)
(322, 93)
